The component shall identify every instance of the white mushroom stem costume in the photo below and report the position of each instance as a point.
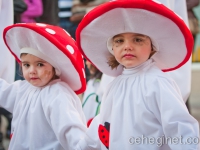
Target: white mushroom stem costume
(142, 104)
(48, 117)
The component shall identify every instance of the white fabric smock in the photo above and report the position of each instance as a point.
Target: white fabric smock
(44, 118)
(143, 102)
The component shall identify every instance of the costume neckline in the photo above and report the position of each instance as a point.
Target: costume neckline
(137, 69)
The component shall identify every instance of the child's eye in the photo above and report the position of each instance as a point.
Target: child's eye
(40, 64)
(118, 41)
(26, 65)
(138, 40)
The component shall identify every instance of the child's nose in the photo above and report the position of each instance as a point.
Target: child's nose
(32, 70)
(128, 46)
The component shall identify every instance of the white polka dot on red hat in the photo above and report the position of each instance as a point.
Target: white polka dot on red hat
(41, 24)
(50, 31)
(83, 72)
(70, 49)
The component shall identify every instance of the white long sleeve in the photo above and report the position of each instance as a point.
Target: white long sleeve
(164, 101)
(49, 117)
(9, 93)
(90, 141)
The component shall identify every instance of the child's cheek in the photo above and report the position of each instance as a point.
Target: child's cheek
(46, 74)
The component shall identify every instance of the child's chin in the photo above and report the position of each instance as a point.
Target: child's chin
(37, 84)
(131, 66)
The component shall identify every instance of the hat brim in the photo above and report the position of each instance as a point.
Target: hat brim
(68, 60)
(173, 39)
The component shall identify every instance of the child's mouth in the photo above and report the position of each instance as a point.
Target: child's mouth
(129, 55)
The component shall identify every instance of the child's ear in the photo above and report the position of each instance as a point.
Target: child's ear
(152, 53)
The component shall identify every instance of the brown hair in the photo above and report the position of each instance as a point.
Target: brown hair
(113, 63)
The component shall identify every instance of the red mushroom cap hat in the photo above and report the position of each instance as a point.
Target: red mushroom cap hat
(169, 34)
(51, 43)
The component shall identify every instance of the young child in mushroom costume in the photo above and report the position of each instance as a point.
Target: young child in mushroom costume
(137, 41)
(47, 113)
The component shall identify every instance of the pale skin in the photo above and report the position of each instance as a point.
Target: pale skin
(131, 49)
(36, 71)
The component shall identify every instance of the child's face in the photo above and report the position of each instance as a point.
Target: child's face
(131, 49)
(36, 71)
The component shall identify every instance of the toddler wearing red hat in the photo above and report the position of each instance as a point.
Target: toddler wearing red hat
(136, 41)
(47, 113)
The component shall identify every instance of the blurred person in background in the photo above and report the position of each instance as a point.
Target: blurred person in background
(34, 10)
(7, 67)
(91, 98)
(19, 7)
(192, 17)
(79, 9)
(50, 12)
(193, 25)
(65, 14)
(94, 91)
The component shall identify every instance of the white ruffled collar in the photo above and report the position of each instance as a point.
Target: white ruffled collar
(138, 68)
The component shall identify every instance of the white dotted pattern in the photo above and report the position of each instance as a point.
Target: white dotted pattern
(41, 24)
(70, 49)
(50, 31)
